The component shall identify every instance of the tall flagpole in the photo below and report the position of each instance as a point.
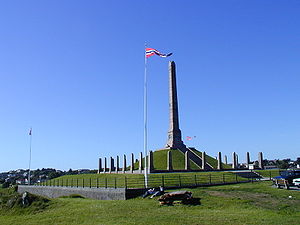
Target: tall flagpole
(30, 141)
(145, 120)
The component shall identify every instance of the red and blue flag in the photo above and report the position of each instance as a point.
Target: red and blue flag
(152, 51)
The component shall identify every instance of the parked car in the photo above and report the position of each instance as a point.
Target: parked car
(286, 178)
(296, 182)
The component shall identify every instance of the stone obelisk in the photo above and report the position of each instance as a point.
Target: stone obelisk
(174, 134)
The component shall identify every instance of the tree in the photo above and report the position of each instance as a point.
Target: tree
(282, 164)
(53, 174)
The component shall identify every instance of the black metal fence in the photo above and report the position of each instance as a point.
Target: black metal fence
(166, 180)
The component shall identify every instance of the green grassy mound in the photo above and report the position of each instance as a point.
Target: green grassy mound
(160, 160)
(11, 202)
(212, 161)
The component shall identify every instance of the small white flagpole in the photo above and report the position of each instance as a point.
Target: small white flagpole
(145, 119)
(30, 141)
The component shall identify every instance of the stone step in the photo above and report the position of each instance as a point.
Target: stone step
(196, 158)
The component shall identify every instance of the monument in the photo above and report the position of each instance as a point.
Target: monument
(193, 159)
(174, 134)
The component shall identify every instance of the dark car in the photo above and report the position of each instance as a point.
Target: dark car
(286, 178)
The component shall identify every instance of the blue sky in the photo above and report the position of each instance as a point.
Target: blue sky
(73, 70)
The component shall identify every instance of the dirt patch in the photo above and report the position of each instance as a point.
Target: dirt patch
(238, 194)
(262, 200)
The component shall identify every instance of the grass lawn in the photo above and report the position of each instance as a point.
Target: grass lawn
(246, 203)
(268, 173)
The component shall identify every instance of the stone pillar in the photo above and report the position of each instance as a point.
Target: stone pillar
(219, 161)
(141, 162)
(248, 159)
(169, 161)
(117, 164)
(203, 160)
(100, 165)
(174, 134)
(233, 160)
(150, 162)
(124, 163)
(187, 161)
(225, 159)
(260, 160)
(112, 166)
(132, 163)
(105, 164)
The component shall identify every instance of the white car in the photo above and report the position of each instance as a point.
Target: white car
(296, 182)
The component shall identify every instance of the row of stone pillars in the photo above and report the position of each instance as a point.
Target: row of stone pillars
(114, 165)
(116, 169)
(235, 160)
(235, 163)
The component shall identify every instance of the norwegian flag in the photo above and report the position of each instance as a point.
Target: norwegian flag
(152, 51)
(189, 138)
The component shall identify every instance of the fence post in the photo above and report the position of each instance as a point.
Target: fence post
(97, 182)
(270, 175)
(236, 178)
(90, 182)
(223, 178)
(209, 178)
(83, 182)
(125, 182)
(179, 181)
(115, 182)
(163, 181)
(195, 180)
(105, 182)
